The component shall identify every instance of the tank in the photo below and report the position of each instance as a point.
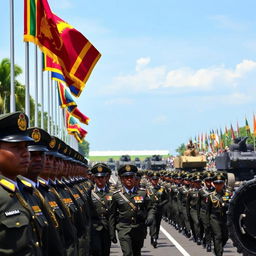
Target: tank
(239, 159)
(137, 162)
(190, 162)
(156, 163)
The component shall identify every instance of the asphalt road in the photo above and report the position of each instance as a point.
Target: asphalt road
(173, 243)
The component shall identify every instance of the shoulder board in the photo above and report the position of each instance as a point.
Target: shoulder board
(26, 183)
(7, 184)
(117, 191)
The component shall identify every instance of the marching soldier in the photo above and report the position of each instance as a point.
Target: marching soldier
(158, 195)
(100, 201)
(219, 200)
(203, 209)
(19, 232)
(192, 210)
(131, 210)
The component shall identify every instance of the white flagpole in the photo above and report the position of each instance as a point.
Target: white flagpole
(27, 95)
(52, 104)
(36, 88)
(12, 89)
(56, 109)
(49, 103)
(42, 91)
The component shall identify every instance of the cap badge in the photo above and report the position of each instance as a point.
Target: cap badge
(65, 150)
(100, 169)
(22, 122)
(52, 143)
(127, 168)
(36, 135)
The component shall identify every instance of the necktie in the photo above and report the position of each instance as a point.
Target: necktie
(101, 191)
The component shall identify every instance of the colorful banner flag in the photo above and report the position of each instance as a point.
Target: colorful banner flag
(233, 136)
(66, 101)
(60, 41)
(247, 127)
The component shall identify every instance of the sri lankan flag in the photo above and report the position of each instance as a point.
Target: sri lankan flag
(74, 128)
(56, 74)
(60, 41)
(66, 101)
(247, 127)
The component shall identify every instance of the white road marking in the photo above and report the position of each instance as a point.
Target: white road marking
(176, 244)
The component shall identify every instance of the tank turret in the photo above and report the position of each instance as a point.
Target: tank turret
(156, 163)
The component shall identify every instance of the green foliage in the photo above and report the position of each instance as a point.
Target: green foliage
(181, 149)
(84, 148)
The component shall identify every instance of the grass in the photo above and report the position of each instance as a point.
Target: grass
(105, 158)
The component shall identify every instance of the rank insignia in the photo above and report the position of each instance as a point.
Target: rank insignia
(22, 122)
(127, 168)
(36, 135)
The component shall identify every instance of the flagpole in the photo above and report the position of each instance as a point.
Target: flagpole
(27, 95)
(42, 92)
(56, 109)
(51, 85)
(36, 88)
(12, 89)
(49, 103)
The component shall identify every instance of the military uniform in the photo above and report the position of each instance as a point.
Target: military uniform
(19, 231)
(130, 212)
(159, 197)
(100, 207)
(218, 219)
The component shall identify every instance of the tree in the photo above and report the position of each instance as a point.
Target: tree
(181, 149)
(84, 148)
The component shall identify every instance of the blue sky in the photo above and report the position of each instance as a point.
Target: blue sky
(169, 69)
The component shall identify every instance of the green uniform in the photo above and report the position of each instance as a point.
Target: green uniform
(192, 204)
(174, 205)
(100, 208)
(18, 228)
(128, 217)
(159, 197)
(218, 219)
(204, 214)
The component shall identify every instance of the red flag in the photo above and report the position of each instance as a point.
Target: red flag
(232, 132)
(60, 41)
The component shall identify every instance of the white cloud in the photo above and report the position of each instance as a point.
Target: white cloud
(161, 119)
(141, 63)
(227, 23)
(148, 78)
(119, 101)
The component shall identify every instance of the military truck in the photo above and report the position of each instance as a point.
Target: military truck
(156, 163)
(239, 161)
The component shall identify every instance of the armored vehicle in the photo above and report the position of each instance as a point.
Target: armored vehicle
(111, 164)
(137, 162)
(124, 159)
(156, 163)
(240, 161)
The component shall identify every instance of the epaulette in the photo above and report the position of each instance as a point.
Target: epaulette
(26, 183)
(41, 181)
(117, 191)
(7, 184)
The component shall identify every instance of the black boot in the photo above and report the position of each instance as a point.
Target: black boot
(198, 241)
(208, 248)
(154, 243)
(151, 240)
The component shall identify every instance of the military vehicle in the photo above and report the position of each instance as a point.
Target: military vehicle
(137, 162)
(156, 163)
(145, 163)
(111, 164)
(124, 159)
(239, 161)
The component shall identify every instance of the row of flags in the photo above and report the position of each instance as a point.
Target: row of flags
(218, 139)
(67, 54)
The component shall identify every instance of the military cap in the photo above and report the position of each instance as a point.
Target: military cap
(54, 146)
(41, 139)
(127, 170)
(100, 170)
(13, 127)
(208, 176)
(219, 178)
(154, 175)
(197, 178)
